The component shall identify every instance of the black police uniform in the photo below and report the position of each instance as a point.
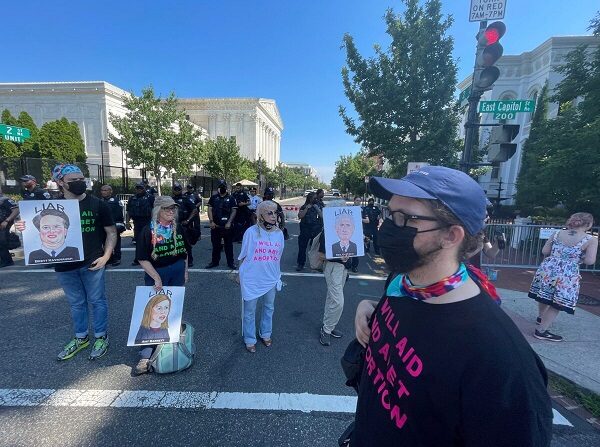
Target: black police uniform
(37, 194)
(6, 207)
(186, 207)
(116, 211)
(372, 213)
(139, 209)
(194, 225)
(242, 217)
(221, 208)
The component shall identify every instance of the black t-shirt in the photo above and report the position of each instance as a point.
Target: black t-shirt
(95, 215)
(311, 219)
(222, 208)
(241, 196)
(115, 208)
(168, 252)
(6, 206)
(372, 213)
(458, 374)
(186, 206)
(37, 194)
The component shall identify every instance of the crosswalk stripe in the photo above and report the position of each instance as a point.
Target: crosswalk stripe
(304, 402)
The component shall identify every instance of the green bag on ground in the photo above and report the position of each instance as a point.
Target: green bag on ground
(173, 357)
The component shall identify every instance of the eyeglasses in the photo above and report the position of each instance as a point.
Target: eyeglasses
(400, 218)
(170, 209)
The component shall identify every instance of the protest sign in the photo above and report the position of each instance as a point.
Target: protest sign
(156, 316)
(52, 231)
(343, 231)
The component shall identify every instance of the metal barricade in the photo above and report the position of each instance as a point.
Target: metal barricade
(524, 245)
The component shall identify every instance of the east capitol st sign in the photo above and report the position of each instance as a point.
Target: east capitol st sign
(507, 109)
(14, 133)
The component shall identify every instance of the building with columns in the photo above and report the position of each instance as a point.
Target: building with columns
(522, 77)
(254, 122)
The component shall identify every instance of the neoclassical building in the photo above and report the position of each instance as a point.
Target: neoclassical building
(254, 122)
(522, 77)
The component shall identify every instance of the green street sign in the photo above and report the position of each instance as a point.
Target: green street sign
(507, 106)
(505, 115)
(14, 133)
(464, 95)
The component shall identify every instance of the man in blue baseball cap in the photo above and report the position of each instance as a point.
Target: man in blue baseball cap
(443, 364)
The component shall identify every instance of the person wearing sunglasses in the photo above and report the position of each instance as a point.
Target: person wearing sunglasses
(260, 273)
(161, 251)
(443, 364)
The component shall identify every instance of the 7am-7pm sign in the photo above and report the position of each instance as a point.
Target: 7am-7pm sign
(486, 10)
(14, 133)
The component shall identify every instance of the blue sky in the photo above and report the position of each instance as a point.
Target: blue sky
(288, 50)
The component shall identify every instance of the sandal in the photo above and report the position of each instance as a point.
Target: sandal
(267, 342)
(251, 348)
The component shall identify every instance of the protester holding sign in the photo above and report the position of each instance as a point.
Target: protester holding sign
(260, 273)
(83, 281)
(161, 252)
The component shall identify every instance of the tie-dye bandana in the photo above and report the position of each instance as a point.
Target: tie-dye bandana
(61, 170)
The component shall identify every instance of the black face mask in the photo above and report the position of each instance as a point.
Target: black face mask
(77, 187)
(222, 190)
(397, 248)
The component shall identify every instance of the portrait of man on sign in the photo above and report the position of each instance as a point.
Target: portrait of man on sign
(343, 231)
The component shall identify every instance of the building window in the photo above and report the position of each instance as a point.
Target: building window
(495, 172)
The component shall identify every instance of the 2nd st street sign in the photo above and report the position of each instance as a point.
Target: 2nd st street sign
(507, 109)
(14, 134)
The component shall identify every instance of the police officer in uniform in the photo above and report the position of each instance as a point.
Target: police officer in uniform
(372, 214)
(221, 213)
(139, 209)
(31, 190)
(116, 210)
(8, 212)
(242, 217)
(187, 212)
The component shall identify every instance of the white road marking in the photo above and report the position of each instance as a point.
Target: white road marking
(192, 270)
(304, 402)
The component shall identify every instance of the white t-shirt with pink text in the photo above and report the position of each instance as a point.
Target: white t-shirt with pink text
(261, 270)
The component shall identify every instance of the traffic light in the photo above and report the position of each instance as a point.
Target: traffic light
(489, 51)
(500, 148)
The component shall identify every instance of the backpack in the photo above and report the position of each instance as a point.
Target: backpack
(314, 256)
(173, 357)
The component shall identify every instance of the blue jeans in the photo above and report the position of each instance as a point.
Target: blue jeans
(266, 320)
(171, 275)
(83, 287)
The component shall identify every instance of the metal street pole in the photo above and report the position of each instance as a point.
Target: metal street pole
(472, 116)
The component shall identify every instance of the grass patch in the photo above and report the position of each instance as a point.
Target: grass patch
(590, 401)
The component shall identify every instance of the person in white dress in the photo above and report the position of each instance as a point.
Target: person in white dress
(260, 273)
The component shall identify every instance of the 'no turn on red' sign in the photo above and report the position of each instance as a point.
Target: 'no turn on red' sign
(486, 10)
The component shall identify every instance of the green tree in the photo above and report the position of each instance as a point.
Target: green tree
(223, 160)
(403, 96)
(155, 134)
(350, 172)
(61, 140)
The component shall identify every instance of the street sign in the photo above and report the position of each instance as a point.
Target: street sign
(14, 134)
(486, 10)
(507, 109)
(464, 95)
(415, 166)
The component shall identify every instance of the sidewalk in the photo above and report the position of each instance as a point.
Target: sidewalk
(577, 358)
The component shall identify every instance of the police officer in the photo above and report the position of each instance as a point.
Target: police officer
(8, 212)
(187, 211)
(139, 209)
(242, 217)
(116, 210)
(31, 190)
(221, 213)
(194, 225)
(372, 215)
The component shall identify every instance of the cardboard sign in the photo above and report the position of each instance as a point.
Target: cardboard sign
(156, 316)
(343, 231)
(52, 231)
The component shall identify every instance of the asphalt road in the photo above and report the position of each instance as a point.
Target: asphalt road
(36, 324)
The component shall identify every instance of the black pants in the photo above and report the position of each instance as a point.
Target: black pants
(138, 224)
(304, 239)
(5, 257)
(116, 254)
(215, 237)
(371, 232)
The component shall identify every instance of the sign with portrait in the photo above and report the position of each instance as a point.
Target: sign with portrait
(343, 231)
(156, 316)
(52, 231)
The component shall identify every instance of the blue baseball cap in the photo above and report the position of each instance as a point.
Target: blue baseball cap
(455, 189)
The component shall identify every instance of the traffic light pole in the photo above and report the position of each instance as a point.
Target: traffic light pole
(472, 117)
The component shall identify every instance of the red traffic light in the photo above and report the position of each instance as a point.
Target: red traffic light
(492, 34)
